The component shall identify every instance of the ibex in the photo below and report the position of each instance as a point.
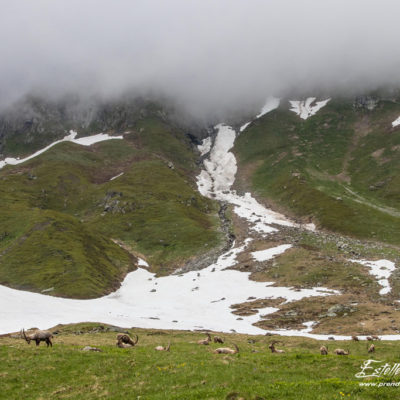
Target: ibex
(218, 339)
(227, 350)
(122, 345)
(374, 337)
(205, 341)
(38, 336)
(371, 349)
(341, 352)
(355, 338)
(162, 348)
(369, 338)
(273, 349)
(323, 350)
(126, 339)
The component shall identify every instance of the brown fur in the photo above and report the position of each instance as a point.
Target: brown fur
(355, 338)
(371, 349)
(341, 352)
(38, 336)
(218, 339)
(207, 341)
(126, 339)
(323, 350)
(273, 349)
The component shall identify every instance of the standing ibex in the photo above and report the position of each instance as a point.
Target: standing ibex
(355, 338)
(126, 339)
(341, 352)
(273, 349)
(218, 339)
(205, 341)
(227, 350)
(371, 349)
(162, 348)
(38, 336)
(374, 337)
(323, 350)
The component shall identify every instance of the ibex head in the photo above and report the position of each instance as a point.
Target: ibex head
(27, 338)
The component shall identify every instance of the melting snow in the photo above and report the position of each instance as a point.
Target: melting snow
(116, 176)
(271, 104)
(264, 255)
(205, 147)
(396, 122)
(381, 269)
(84, 141)
(194, 299)
(142, 263)
(305, 109)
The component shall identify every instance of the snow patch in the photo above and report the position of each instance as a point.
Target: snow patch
(142, 263)
(205, 146)
(264, 255)
(396, 122)
(84, 141)
(382, 270)
(195, 299)
(270, 104)
(116, 176)
(305, 109)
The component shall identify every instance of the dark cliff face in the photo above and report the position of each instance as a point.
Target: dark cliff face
(35, 122)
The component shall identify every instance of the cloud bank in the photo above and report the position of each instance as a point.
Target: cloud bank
(209, 56)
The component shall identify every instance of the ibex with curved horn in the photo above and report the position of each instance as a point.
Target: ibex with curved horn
(162, 348)
(273, 349)
(126, 339)
(38, 336)
(205, 341)
(227, 350)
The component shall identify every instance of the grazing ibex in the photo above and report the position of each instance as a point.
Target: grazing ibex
(218, 339)
(324, 350)
(369, 338)
(162, 348)
(341, 352)
(205, 341)
(126, 339)
(273, 349)
(371, 349)
(374, 337)
(227, 350)
(38, 336)
(355, 338)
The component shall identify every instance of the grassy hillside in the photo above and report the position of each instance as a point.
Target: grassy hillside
(189, 370)
(339, 168)
(62, 216)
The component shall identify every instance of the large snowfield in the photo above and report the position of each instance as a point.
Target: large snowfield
(193, 300)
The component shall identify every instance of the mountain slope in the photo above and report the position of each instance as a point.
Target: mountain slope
(63, 215)
(339, 168)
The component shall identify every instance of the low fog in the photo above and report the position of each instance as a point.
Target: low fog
(208, 56)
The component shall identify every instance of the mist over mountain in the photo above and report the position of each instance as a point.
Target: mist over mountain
(210, 58)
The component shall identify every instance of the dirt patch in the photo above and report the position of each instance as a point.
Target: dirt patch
(251, 307)
(343, 315)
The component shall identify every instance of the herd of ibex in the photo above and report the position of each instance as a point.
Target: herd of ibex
(125, 341)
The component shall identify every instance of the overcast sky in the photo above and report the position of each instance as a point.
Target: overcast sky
(206, 54)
